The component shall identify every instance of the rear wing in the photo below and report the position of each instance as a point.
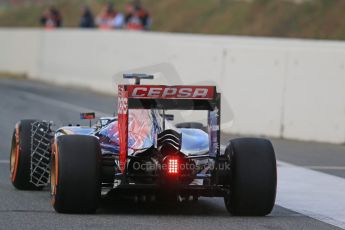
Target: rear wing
(168, 98)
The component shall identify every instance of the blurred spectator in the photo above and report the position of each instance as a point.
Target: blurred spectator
(137, 18)
(86, 20)
(109, 18)
(51, 18)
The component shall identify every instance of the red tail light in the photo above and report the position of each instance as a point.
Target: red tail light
(173, 166)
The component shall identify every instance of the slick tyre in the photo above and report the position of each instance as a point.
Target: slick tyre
(20, 156)
(75, 174)
(253, 182)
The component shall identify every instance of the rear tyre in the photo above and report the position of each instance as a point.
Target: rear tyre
(75, 174)
(253, 177)
(20, 157)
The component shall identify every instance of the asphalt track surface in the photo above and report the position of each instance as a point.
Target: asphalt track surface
(20, 99)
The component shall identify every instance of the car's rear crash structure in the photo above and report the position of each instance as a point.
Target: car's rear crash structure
(141, 153)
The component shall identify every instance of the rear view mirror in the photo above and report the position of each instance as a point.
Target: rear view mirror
(87, 116)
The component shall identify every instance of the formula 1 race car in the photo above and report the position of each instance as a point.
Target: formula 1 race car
(141, 153)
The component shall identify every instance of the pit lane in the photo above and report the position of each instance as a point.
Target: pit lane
(20, 99)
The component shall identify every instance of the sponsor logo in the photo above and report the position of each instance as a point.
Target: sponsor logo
(171, 92)
(122, 100)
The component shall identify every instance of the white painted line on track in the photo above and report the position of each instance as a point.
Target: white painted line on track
(63, 104)
(314, 194)
(319, 167)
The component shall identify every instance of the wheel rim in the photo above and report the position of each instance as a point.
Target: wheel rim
(13, 159)
(53, 174)
(14, 156)
(52, 178)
